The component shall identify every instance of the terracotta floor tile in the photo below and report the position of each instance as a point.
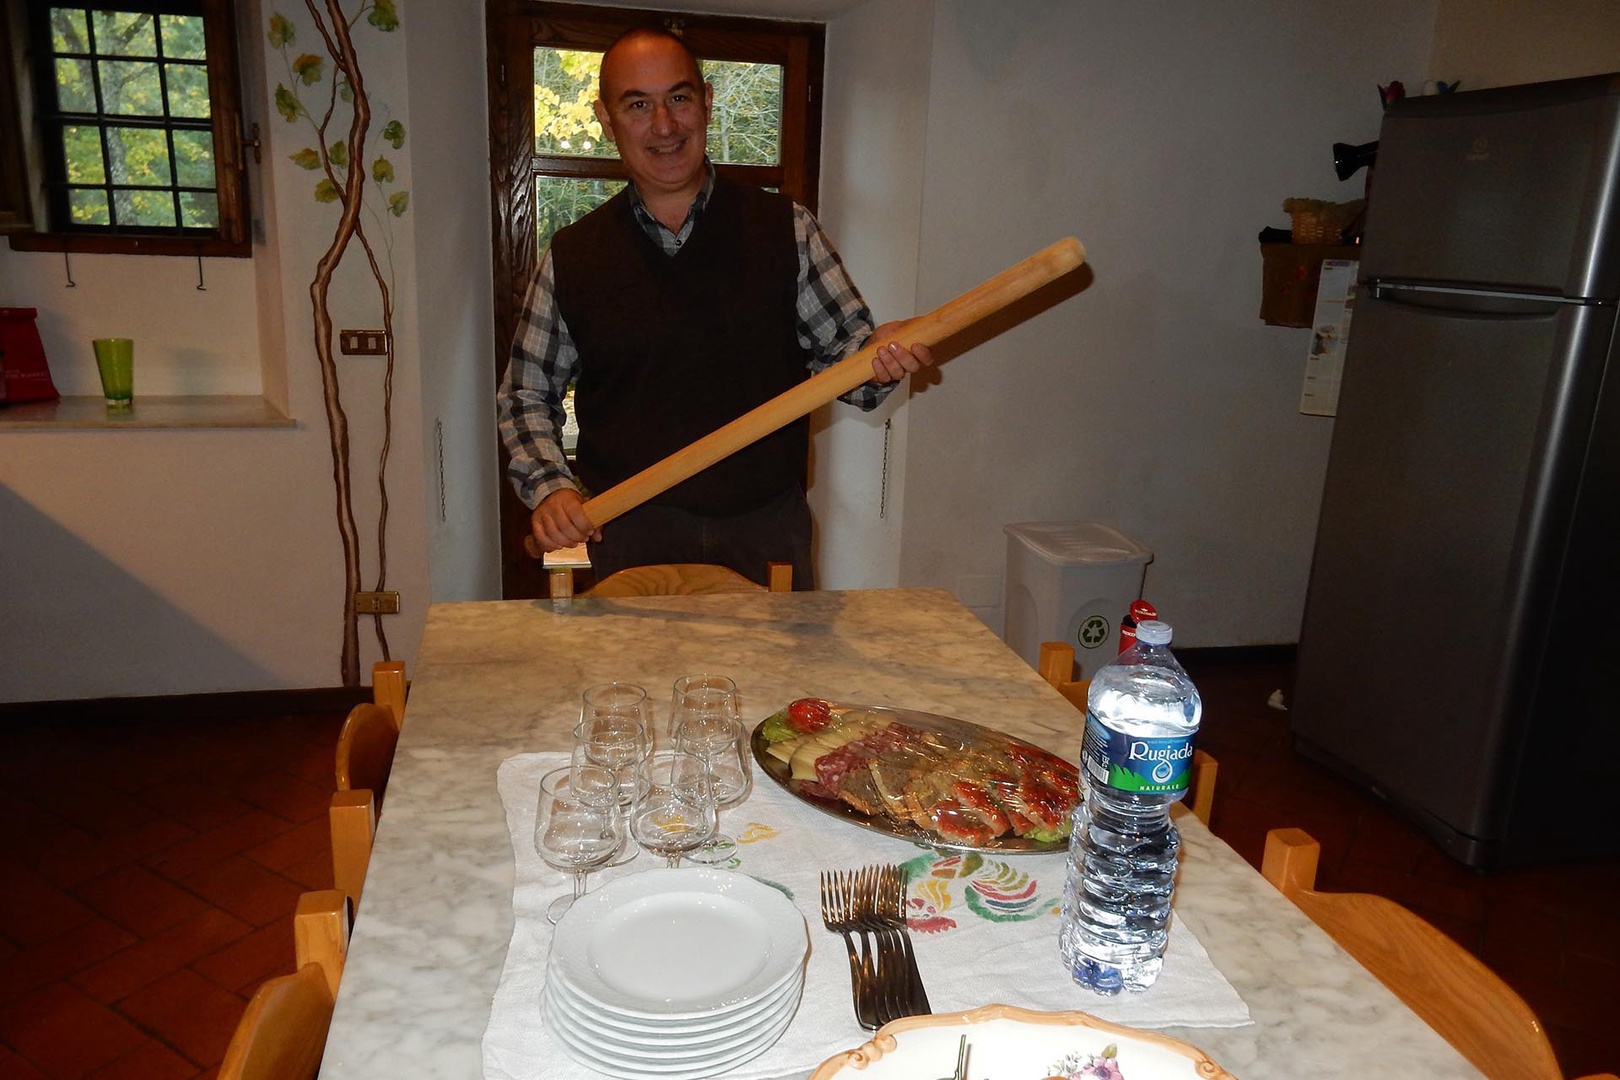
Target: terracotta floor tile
(33, 910)
(149, 1061)
(245, 963)
(287, 796)
(47, 962)
(139, 899)
(191, 1014)
(313, 837)
(203, 806)
(209, 848)
(75, 864)
(64, 1033)
(156, 956)
(247, 890)
(13, 1067)
(314, 872)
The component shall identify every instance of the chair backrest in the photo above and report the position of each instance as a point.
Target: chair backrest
(365, 749)
(686, 579)
(1462, 999)
(388, 687)
(352, 819)
(1056, 665)
(282, 1033)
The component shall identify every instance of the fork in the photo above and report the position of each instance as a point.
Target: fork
(891, 910)
(891, 983)
(838, 915)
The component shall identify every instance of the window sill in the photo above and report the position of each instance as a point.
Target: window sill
(153, 413)
(97, 244)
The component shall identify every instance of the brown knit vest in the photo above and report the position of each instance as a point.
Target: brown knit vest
(673, 347)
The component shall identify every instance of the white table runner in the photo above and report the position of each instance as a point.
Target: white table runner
(984, 928)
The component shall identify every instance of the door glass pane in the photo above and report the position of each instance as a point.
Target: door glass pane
(564, 89)
(183, 37)
(83, 152)
(89, 207)
(562, 200)
(194, 158)
(74, 90)
(745, 127)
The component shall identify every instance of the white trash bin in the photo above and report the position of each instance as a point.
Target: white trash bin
(1070, 581)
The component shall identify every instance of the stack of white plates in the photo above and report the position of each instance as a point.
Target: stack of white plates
(672, 974)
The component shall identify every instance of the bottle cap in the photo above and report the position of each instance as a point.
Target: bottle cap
(1153, 632)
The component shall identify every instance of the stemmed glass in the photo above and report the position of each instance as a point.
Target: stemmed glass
(578, 827)
(613, 733)
(674, 811)
(721, 741)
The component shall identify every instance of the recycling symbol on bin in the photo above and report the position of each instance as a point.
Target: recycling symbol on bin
(1093, 632)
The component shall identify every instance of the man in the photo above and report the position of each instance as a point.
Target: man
(678, 305)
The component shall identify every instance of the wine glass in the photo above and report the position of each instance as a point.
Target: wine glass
(612, 733)
(579, 826)
(721, 741)
(674, 811)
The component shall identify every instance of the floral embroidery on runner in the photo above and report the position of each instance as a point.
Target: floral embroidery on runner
(991, 889)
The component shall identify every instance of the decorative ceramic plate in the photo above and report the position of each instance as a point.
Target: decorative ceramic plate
(1007, 1043)
(972, 750)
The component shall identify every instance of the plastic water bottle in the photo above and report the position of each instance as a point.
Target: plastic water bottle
(1141, 713)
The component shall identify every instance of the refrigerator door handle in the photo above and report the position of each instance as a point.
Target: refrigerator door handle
(1414, 294)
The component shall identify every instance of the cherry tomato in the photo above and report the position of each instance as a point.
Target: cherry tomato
(809, 714)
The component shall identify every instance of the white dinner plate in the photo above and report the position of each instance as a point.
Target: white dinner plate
(602, 1060)
(652, 1050)
(672, 1032)
(679, 944)
(1008, 1042)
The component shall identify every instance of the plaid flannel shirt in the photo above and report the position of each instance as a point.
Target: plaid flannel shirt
(832, 320)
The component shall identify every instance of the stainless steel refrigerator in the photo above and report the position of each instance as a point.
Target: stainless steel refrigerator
(1459, 654)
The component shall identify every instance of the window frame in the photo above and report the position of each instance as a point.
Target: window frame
(514, 28)
(233, 237)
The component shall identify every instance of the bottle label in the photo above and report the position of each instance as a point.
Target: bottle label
(1134, 763)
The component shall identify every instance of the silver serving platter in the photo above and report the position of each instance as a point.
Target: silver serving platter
(969, 734)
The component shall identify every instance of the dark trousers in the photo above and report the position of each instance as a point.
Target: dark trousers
(778, 531)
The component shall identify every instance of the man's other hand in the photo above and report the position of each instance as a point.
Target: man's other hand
(559, 521)
(894, 361)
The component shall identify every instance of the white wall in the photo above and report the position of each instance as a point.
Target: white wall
(449, 108)
(1518, 41)
(873, 120)
(1163, 137)
(163, 562)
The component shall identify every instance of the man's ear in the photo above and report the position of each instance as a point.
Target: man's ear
(708, 99)
(603, 119)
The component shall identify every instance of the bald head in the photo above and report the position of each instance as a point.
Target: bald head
(640, 40)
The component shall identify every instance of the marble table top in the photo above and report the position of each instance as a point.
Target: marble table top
(500, 678)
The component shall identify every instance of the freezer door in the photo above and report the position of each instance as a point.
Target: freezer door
(1515, 188)
(1455, 456)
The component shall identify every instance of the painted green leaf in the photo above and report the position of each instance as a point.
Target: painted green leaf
(281, 31)
(309, 68)
(287, 104)
(326, 191)
(382, 171)
(306, 159)
(398, 203)
(345, 91)
(394, 132)
(384, 16)
(339, 153)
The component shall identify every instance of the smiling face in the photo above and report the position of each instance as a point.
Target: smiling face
(654, 105)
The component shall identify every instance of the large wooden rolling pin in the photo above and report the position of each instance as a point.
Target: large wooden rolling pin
(1014, 283)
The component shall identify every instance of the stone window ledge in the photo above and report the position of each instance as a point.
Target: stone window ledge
(151, 413)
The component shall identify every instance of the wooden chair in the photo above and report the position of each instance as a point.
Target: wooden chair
(365, 757)
(282, 1034)
(1056, 665)
(686, 579)
(1461, 998)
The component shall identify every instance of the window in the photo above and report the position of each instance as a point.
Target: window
(551, 164)
(138, 126)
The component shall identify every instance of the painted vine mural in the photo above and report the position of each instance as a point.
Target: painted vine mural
(322, 88)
